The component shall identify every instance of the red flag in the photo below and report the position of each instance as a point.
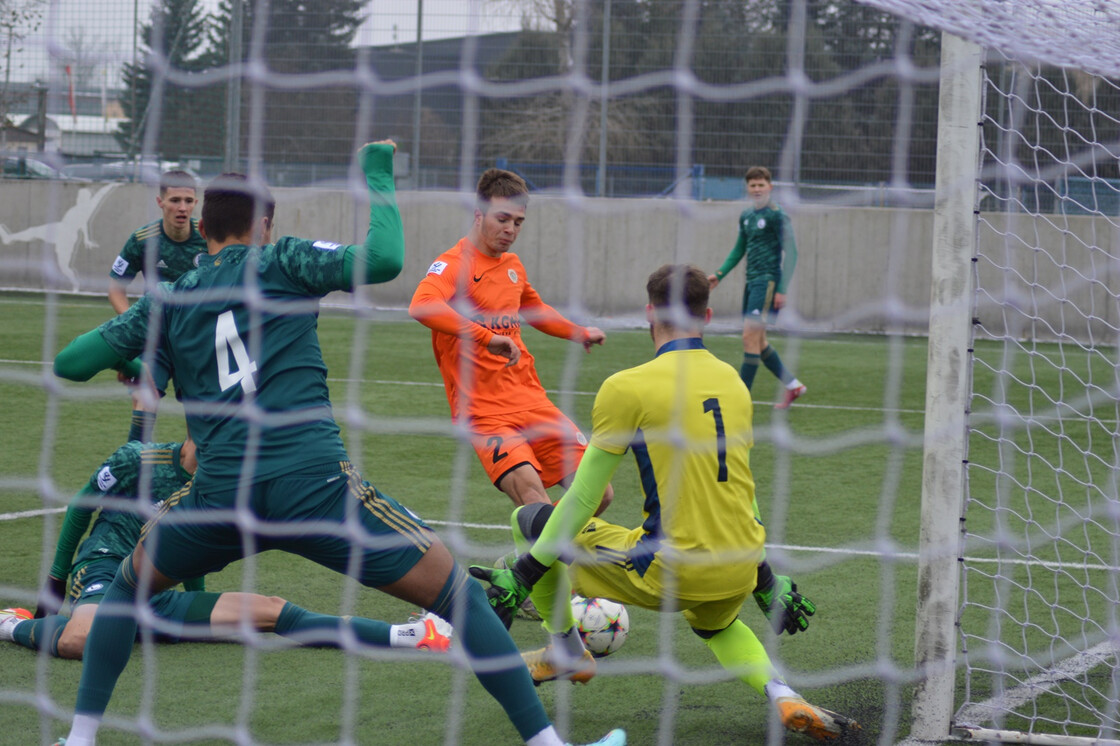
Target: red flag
(70, 86)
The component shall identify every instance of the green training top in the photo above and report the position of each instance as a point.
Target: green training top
(766, 238)
(175, 258)
(117, 529)
(251, 374)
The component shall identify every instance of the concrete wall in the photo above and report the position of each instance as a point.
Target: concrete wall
(861, 269)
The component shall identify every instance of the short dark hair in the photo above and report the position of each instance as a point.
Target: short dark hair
(758, 172)
(681, 287)
(497, 183)
(231, 203)
(176, 180)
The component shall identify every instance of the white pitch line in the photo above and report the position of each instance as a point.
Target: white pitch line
(30, 513)
(845, 551)
(1012, 699)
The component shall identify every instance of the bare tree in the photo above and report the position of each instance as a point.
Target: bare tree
(558, 16)
(18, 19)
(85, 53)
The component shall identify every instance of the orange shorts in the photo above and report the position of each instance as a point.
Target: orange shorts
(543, 438)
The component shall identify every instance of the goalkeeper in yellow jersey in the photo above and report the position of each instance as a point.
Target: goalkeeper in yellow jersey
(699, 550)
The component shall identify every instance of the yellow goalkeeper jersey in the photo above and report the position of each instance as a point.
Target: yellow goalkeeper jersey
(687, 417)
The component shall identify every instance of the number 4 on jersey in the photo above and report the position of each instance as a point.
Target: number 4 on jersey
(227, 342)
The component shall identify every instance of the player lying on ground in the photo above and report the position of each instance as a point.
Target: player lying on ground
(114, 490)
(240, 334)
(473, 298)
(700, 541)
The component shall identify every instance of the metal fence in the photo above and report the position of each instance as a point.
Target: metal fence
(626, 97)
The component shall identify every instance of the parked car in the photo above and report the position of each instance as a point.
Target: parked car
(26, 167)
(146, 171)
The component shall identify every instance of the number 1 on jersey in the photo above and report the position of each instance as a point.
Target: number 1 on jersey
(227, 342)
(712, 405)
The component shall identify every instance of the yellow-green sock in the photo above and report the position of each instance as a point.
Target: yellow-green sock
(739, 651)
(552, 593)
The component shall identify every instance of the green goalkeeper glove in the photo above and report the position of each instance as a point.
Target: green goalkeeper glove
(779, 600)
(509, 588)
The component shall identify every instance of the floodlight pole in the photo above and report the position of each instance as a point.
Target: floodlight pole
(233, 91)
(417, 96)
(604, 81)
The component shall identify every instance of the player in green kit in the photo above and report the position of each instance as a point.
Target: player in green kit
(766, 239)
(240, 334)
(687, 417)
(162, 469)
(180, 243)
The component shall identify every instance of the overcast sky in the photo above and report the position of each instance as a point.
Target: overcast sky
(104, 28)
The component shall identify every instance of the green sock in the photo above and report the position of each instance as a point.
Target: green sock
(773, 363)
(739, 651)
(323, 630)
(487, 643)
(748, 369)
(552, 594)
(109, 645)
(40, 634)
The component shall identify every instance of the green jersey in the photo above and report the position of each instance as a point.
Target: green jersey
(226, 355)
(766, 239)
(175, 258)
(151, 467)
(240, 334)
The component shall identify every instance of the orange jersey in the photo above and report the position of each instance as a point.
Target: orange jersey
(466, 298)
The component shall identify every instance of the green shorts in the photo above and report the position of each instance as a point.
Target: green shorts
(174, 609)
(326, 513)
(758, 300)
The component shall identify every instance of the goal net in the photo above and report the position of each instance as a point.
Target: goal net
(979, 138)
(1034, 651)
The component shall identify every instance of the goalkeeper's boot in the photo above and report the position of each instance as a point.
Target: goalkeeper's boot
(616, 737)
(789, 396)
(527, 609)
(437, 633)
(548, 664)
(9, 618)
(799, 716)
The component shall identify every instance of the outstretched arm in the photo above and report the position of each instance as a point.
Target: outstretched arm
(381, 257)
(578, 504)
(789, 258)
(78, 516)
(736, 255)
(90, 354)
(547, 319)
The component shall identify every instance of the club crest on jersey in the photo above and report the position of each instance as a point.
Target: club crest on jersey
(326, 245)
(120, 266)
(105, 479)
(581, 438)
(197, 259)
(761, 223)
(437, 268)
(512, 276)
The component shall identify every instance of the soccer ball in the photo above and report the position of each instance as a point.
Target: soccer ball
(602, 624)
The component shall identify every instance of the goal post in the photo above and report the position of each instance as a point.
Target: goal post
(947, 384)
(1017, 607)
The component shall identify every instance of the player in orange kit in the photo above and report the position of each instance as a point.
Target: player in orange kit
(473, 298)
